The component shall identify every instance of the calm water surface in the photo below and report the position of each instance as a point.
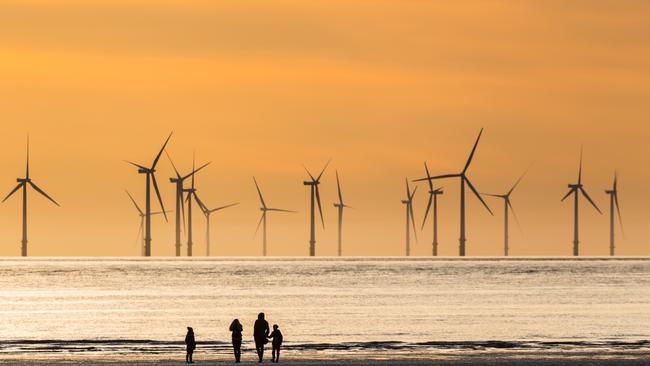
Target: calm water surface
(326, 305)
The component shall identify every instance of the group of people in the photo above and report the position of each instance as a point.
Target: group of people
(261, 335)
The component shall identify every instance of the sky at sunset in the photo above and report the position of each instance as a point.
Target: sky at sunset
(261, 87)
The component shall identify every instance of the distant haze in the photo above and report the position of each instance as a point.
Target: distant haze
(260, 88)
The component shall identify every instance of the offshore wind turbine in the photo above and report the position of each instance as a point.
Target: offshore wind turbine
(432, 205)
(191, 193)
(613, 203)
(265, 209)
(315, 199)
(507, 207)
(150, 178)
(340, 206)
(408, 204)
(178, 181)
(22, 183)
(207, 212)
(575, 190)
(142, 216)
(464, 180)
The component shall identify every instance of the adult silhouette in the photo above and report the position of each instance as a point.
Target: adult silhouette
(236, 328)
(260, 334)
(190, 342)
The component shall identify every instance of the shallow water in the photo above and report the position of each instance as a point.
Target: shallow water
(124, 306)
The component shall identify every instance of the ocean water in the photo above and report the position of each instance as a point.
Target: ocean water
(135, 306)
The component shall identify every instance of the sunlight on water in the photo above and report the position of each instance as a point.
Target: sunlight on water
(337, 304)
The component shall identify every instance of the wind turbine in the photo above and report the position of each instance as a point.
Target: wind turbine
(507, 207)
(22, 183)
(191, 193)
(207, 212)
(315, 195)
(575, 190)
(142, 216)
(340, 206)
(463, 180)
(151, 178)
(262, 222)
(613, 202)
(408, 202)
(180, 207)
(433, 204)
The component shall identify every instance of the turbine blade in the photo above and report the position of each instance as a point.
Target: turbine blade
(471, 186)
(178, 175)
(182, 209)
(13, 191)
(310, 176)
(492, 195)
(259, 192)
(259, 224)
(137, 165)
(567, 195)
(320, 209)
(280, 210)
(338, 186)
(516, 183)
(584, 193)
(27, 166)
(196, 171)
(426, 169)
(138, 239)
(438, 177)
(618, 210)
(155, 187)
(193, 162)
(413, 194)
(580, 169)
(202, 206)
(155, 161)
(323, 171)
(426, 212)
(415, 234)
(135, 204)
(471, 155)
(223, 207)
(514, 214)
(42, 192)
(408, 189)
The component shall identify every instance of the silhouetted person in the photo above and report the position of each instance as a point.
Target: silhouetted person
(277, 342)
(261, 334)
(191, 345)
(236, 328)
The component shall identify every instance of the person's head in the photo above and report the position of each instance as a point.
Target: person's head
(190, 330)
(260, 316)
(275, 327)
(235, 322)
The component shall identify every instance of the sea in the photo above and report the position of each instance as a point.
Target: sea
(131, 307)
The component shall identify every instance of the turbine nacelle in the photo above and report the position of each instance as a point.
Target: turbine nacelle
(23, 180)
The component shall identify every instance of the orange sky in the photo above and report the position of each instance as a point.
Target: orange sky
(260, 88)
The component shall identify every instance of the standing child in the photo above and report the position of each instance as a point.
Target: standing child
(190, 342)
(277, 342)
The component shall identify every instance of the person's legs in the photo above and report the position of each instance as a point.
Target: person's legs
(273, 354)
(237, 349)
(277, 355)
(259, 347)
(191, 354)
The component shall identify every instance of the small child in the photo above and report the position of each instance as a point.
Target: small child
(277, 342)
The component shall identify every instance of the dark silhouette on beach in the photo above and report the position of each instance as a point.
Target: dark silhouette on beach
(260, 334)
(191, 345)
(236, 328)
(276, 335)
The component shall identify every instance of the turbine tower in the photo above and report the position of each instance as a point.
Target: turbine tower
(23, 183)
(142, 216)
(151, 178)
(315, 199)
(262, 222)
(464, 180)
(180, 207)
(408, 202)
(191, 193)
(576, 190)
(207, 212)
(432, 205)
(340, 206)
(506, 208)
(613, 203)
